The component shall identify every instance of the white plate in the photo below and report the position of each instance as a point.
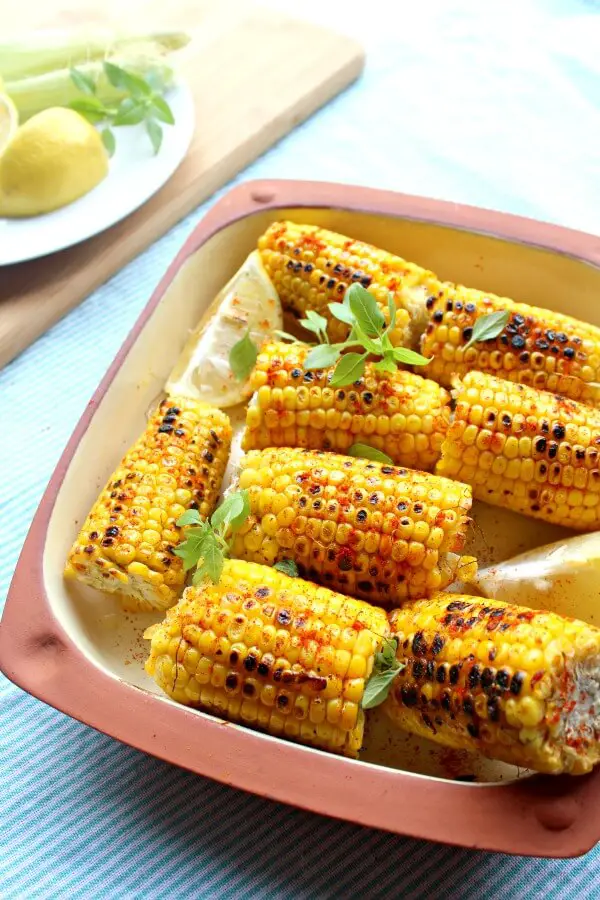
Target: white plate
(135, 175)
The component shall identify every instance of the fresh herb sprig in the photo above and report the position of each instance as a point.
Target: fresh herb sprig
(207, 542)
(488, 327)
(385, 669)
(143, 103)
(365, 451)
(288, 567)
(368, 334)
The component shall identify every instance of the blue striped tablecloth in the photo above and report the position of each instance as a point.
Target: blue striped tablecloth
(495, 104)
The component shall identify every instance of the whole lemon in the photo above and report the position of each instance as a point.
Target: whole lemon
(51, 160)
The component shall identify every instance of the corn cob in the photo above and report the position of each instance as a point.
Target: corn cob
(369, 530)
(272, 652)
(526, 450)
(403, 415)
(127, 542)
(312, 267)
(515, 684)
(537, 347)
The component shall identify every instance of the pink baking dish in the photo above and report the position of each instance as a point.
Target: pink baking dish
(67, 648)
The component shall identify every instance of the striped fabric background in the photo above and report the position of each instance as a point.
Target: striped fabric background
(442, 112)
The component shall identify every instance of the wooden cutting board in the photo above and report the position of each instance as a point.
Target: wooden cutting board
(255, 74)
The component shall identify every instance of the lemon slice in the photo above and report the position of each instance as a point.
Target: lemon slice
(562, 577)
(9, 121)
(248, 302)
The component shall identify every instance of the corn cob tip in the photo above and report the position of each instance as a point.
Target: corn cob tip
(515, 684)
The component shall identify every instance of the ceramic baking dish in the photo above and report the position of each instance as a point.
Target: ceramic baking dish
(74, 650)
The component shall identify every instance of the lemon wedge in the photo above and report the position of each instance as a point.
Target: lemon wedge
(562, 577)
(54, 158)
(9, 121)
(247, 302)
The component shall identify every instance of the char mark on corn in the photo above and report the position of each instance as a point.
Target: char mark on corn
(379, 532)
(514, 684)
(128, 540)
(272, 652)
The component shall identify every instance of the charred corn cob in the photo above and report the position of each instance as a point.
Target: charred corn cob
(526, 450)
(128, 540)
(312, 267)
(537, 347)
(272, 652)
(515, 684)
(403, 415)
(369, 530)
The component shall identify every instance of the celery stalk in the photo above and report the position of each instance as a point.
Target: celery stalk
(31, 95)
(42, 52)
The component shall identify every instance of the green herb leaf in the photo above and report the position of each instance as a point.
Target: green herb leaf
(365, 310)
(285, 336)
(288, 567)
(191, 549)
(410, 357)
(155, 133)
(242, 357)
(130, 112)
(83, 82)
(90, 108)
(378, 687)
(365, 451)
(342, 312)
(370, 344)
(161, 110)
(108, 139)
(388, 652)
(350, 368)
(189, 517)
(321, 357)
(387, 345)
(386, 364)
(211, 562)
(392, 311)
(126, 81)
(315, 323)
(384, 672)
(233, 511)
(488, 327)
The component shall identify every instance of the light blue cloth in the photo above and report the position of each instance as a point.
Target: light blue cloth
(495, 104)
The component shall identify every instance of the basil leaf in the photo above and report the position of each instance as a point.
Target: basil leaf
(162, 110)
(350, 368)
(388, 651)
(155, 133)
(378, 687)
(387, 345)
(386, 364)
(392, 311)
(410, 357)
(126, 81)
(488, 327)
(365, 451)
(342, 312)
(130, 112)
(288, 567)
(108, 139)
(90, 108)
(321, 357)
(211, 565)
(365, 310)
(242, 357)
(373, 346)
(83, 82)
(191, 549)
(315, 323)
(284, 336)
(189, 517)
(233, 511)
